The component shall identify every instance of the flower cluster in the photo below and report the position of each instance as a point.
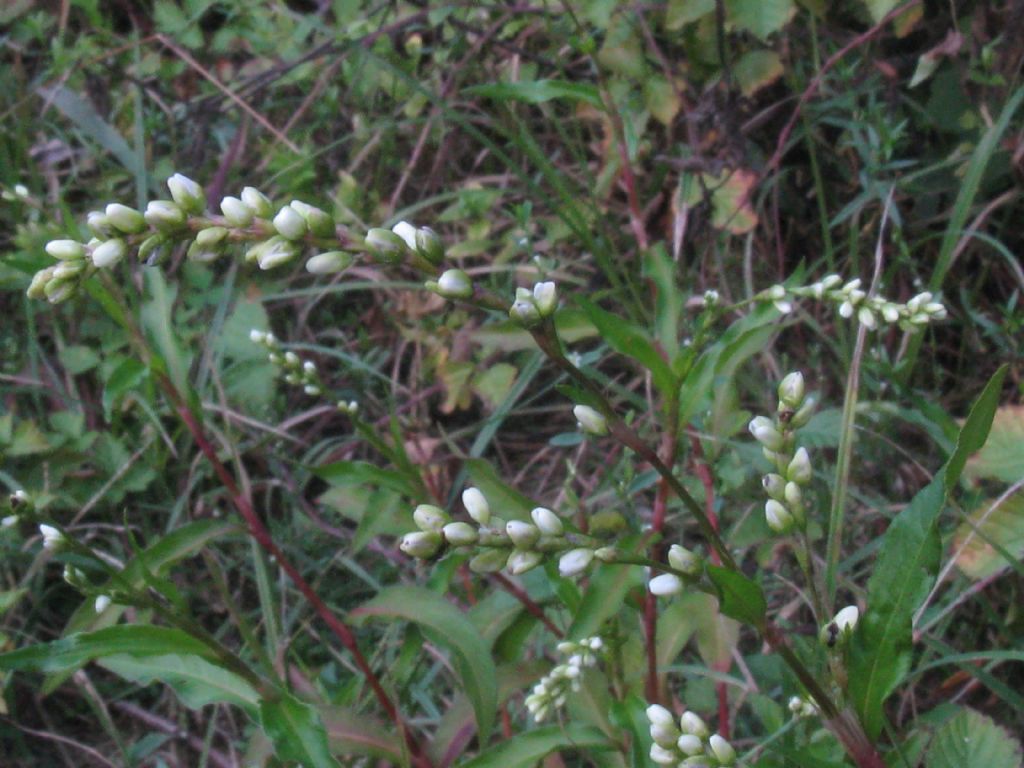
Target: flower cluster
(851, 299)
(784, 509)
(551, 692)
(517, 545)
(688, 567)
(688, 744)
(532, 307)
(297, 372)
(801, 707)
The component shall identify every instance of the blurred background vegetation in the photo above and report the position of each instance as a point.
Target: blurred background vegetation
(746, 140)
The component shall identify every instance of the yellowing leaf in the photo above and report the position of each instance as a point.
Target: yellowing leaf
(1003, 525)
(1002, 456)
(757, 69)
(730, 200)
(661, 99)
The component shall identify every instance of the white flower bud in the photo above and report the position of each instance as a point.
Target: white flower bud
(489, 561)
(684, 560)
(52, 538)
(385, 245)
(890, 313)
(289, 223)
(99, 224)
(126, 219)
(58, 291)
(799, 469)
(257, 202)
(430, 518)
(791, 389)
(774, 485)
(545, 298)
(590, 420)
(691, 723)
(429, 245)
(764, 431)
(664, 735)
(236, 213)
(476, 505)
(690, 745)
(847, 618)
(454, 284)
(68, 269)
(846, 310)
(802, 416)
(257, 336)
(523, 535)
(662, 756)
(575, 561)
(109, 253)
(66, 250)
(524, 312)
(164, 215)
(792, 495)
(421, 544)
(776, 292)
(779, 518)
(521, 561)
(102, 603)
(784, 307)
(722, 750)
(460, 534)
(607, 554)
(867, 318)
(329, 263)
(407, 232)
(659, 715)
(9, 521)
(276, 251)
(187, 193)
(665, 585)
(547, 521)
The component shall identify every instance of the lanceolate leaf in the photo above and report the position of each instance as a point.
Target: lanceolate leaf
(447, 626)
(739, 597)
(880, 650)
(539, 91)
(526, 749)
(603, 598)
(196, 681)
(297, 731)
(131, 639)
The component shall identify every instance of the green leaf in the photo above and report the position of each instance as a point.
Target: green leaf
(447, 626)
(980, 538)
(972, 740)
(1002, 456)
(195, 680)
(880, 650)
(679, 13)
(297, 731)
(668, 301)
(739, 597)
(604, 597)
(879, 8)
(353, 733)
(538, 92)
(343, 473)
(131, 639)
(975, 430)
(756, 70)
(10, 598)
(505, 501)
(159, 325)
(761, 17)
(79, 359)
(632, 341)
(526, 749)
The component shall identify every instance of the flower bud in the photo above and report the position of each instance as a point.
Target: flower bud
(799, 469)
(407, 232)
(66, 250)
(68, 269)
(102, 603)
(290, 224)
(163, 215)
(421, 544)
(476, 505)
(691, 723)
(722, 750)
(779, 518)
(454, 284)
(460, 534)
(664, 735)
(53, 539)
(867, 318)
(523, 535)
(545, 298)
(186, 193)
(236, 213)
(489, 561)
(99, 224)
(208, 246)
(685, 561)
(109, 253)
(606, 554)
(8, 521)
(275, 252)
(792, 495)
(329, 263)
(37, 288)
(547, 521)
(658, 715)
(521, 561)
(575, 561)
(153, 249)
(430, 518)
(257, 202)
(841, 627)
(665, 585)
(590, 420)
(791, 389)
(662, 756)
(126, 219)
(58, 291)
(802, 416)
(385, 245)
(764, 431)
(690, 745)
(429, 245)
(774, 485)
(524, 311)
